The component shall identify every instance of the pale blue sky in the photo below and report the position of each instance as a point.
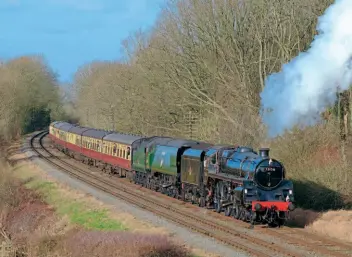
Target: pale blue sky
(70, 33)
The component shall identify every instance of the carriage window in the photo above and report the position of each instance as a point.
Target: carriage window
(128, 152)
(124, 154)
(115, 149)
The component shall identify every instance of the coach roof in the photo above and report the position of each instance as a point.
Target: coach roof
(78, 130)
(65, 127)
(122, 138)
(95, 133)
(58, 124)
(54, 123)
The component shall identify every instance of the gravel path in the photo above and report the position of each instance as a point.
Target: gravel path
(189, 237)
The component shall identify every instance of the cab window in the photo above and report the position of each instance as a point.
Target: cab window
(213, 159)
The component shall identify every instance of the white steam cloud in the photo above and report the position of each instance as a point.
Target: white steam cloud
(308, 84)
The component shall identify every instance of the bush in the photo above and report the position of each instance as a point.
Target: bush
(96, 243)
(314, 161)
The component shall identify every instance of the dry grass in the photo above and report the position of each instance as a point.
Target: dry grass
(302, 218)
(94, 243)
(314, 162)
(54, 191)
(24, 214)
(35, 229)
(336, 224)
(79, 243)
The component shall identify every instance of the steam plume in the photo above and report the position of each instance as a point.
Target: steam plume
(308, 83)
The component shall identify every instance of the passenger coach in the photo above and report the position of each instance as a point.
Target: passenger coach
(100, 148)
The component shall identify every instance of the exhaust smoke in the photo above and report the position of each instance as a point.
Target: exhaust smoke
(307, 85)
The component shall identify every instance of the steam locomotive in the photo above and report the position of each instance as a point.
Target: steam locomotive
(236, 180)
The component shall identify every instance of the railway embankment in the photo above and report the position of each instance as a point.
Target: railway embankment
(41, 217)
(62, 215)
(276, 241)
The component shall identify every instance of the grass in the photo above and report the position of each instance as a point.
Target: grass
(77, 211)
(50, 220)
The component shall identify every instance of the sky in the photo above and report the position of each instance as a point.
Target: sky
(71, 33)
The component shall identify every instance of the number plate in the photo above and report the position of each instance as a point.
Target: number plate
(269, 169)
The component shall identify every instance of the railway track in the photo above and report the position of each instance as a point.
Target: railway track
(235, 235)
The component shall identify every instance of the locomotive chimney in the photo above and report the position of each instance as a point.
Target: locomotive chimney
(264, 152)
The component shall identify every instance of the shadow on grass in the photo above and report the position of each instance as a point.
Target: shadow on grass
(312, 200)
